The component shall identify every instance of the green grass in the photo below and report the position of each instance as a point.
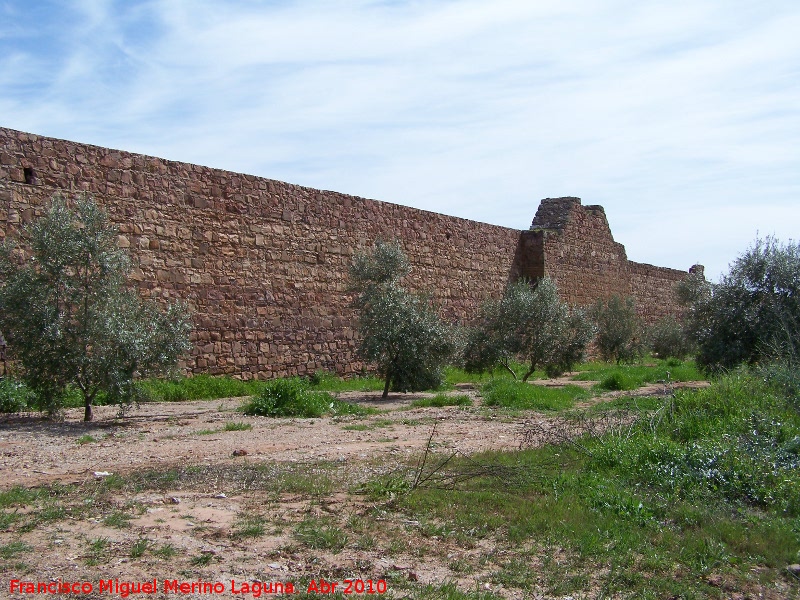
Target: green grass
(455, 375)
(167, 551)
(441, 400)
(249, 526)
(356, 427)
(118, 519)
(199, 387)
(229, 426)
(328, 382)
(321, 534)
(97, 552)
(16, 397)
(202, 560)
(372, 424)
(707, 483)
(86, 439)
(628, 377)
(19, 496)
(293, 398)
(237, 426)
(507, 393)
(11, 549)
(139, 547)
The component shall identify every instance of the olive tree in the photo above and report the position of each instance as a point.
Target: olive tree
(668, 338)
(530, 322)
(753, 313)
(618, 329)
(401, 332)
(69, 318)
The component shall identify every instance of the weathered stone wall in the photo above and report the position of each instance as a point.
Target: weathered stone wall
(580, 255)
(263, 264)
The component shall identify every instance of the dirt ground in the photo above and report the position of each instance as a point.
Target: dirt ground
(36, 451)
(199, 522)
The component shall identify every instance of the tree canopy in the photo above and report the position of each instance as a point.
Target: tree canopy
(401, 332)
(68, 316)
(618, 329)
(753, 313)
(532, 323)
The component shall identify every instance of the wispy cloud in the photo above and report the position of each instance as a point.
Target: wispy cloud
(682, 119)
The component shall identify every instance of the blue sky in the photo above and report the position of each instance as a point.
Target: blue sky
(681, 118)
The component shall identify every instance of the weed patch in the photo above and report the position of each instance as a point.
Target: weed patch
(12, 549)
(248, 526)
(293, 398)
(321, 534)
(237, 426)
(199, 387)
(118, 519)
(441, 400)
(629, 377)
(139, 547)
(507, 393)
(14, 396)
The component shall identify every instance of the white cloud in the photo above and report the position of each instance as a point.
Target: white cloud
(656, 110)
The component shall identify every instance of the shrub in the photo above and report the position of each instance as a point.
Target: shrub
(667, 339)
(401, 332)
(618, 381)
(292, 398)
(14, 396)
(71, 320)
(618, 329)
(753, 314)
(532, 323)
(737, 441)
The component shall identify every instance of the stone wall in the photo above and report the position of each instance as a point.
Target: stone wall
(579, 253)
(263, 264)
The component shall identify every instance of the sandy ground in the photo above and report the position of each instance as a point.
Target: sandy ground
(34, 450)
(199, 522)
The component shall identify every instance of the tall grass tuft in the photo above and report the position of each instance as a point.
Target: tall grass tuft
(508, 393)
(199, 387)
(293, 398)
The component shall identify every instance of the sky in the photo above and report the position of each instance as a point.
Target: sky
(681, 118)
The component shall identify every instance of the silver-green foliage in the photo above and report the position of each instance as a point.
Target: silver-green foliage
(69, 318)
(530, 322)
(618, 329)
(753, 314)
(401, 332)
(668, 339)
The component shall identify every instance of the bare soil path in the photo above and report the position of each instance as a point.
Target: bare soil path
(34, 450)
(199, 531)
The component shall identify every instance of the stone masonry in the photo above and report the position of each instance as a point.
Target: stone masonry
(263, 264)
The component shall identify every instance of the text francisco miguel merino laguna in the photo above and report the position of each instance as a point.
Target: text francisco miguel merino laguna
(254, 589)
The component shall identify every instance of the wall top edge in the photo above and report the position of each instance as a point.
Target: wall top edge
(666, 270)
(27, 137)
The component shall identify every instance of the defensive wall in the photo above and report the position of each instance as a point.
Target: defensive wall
(263, 264)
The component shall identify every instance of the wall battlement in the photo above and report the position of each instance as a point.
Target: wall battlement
(263, 263)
